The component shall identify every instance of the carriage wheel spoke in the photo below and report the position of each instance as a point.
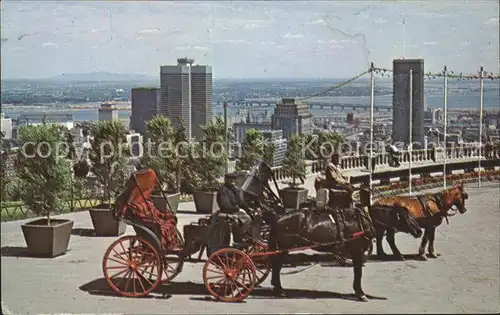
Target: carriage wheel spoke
(119, 273)
(139, 276)
(124, 277)
(118, 262)
(120, 255)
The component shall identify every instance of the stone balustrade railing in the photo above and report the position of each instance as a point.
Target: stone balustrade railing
(361, 162)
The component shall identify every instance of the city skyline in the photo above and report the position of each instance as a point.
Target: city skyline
(245, 40)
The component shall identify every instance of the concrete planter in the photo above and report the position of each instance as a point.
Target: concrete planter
(205, 201)
(172, 198)
(104, 223)
(45, 240)
(292, 197)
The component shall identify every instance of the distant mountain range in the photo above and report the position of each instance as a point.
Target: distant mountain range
(101, 76)
(94, 77)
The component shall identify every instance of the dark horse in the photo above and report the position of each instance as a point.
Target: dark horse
(349, 231)
(392, 219)
(428, 210)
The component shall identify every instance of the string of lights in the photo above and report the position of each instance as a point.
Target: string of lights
(448, 74)
(336, 86)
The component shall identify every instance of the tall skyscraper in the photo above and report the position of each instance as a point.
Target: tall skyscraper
(145, 103)
(292, 117)
(401, 101)
(186, 93)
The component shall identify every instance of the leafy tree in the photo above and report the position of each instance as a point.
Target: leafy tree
(159, 150)
(109, 156)
(45, 176)
(321, 145)
(254, 148)
(294, 164)
(210, 156)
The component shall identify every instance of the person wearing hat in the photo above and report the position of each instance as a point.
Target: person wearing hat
(230, 202)
(335, 178)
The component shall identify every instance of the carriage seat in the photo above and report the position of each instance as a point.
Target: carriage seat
(339, 198)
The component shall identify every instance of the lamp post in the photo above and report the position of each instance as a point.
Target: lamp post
(372, 102)
(445, 75)
(226, 140)
(481, 100)
(410, 136)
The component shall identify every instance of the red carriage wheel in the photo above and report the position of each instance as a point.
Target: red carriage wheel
(262, 263)
(229, 275)
(132, 266)
(172, 265)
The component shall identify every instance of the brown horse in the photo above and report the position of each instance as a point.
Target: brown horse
(429, 211)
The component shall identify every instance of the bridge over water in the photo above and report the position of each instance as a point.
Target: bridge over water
(341, 106)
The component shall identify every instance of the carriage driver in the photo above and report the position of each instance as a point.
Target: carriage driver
(335, 177)
(230, 202)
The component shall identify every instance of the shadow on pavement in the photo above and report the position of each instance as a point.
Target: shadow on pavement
(18, 251)
(100, 287)
(83, 232)
(393, 258)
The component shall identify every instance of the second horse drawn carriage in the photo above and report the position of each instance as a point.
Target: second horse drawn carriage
(135, 265)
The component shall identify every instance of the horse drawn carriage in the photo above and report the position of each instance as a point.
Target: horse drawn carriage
(135, 265)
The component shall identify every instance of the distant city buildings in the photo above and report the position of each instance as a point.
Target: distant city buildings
(108, 111)
(401, 101)
(280, 145)
(63, 119)
(145, 102)
(292, 117)
(240, 129)
(186, 93)
(6, 124)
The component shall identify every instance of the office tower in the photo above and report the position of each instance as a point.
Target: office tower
(292, 117)
(186, 93)
(145, 103)
(401, 101)
(107, 111)
(201, 98)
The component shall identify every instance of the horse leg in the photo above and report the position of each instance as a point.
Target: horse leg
(357, 262)
(380, 236)
(392, 243)
(432, 235)
(276, 265)
(423, 244)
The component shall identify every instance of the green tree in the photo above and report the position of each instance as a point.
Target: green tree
(109, 156)
(253, 149)
(210, 156)
(159, 150)
(321, 145)
(44, 174)
(294, 164)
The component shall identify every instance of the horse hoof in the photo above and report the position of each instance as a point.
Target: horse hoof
(362, 298)
(432, 255)
(401, 258)
(280, 293)
(423, 257)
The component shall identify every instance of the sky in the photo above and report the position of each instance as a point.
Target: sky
(269, 39)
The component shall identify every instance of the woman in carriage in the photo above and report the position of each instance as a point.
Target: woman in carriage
(135, 205)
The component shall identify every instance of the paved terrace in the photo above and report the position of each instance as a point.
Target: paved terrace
(464, 279)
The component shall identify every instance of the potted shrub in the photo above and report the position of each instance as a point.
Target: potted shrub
(208, 166)
(294, 166)
(45, 177)
(109, 157)
(164, 155)
(253, 149)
